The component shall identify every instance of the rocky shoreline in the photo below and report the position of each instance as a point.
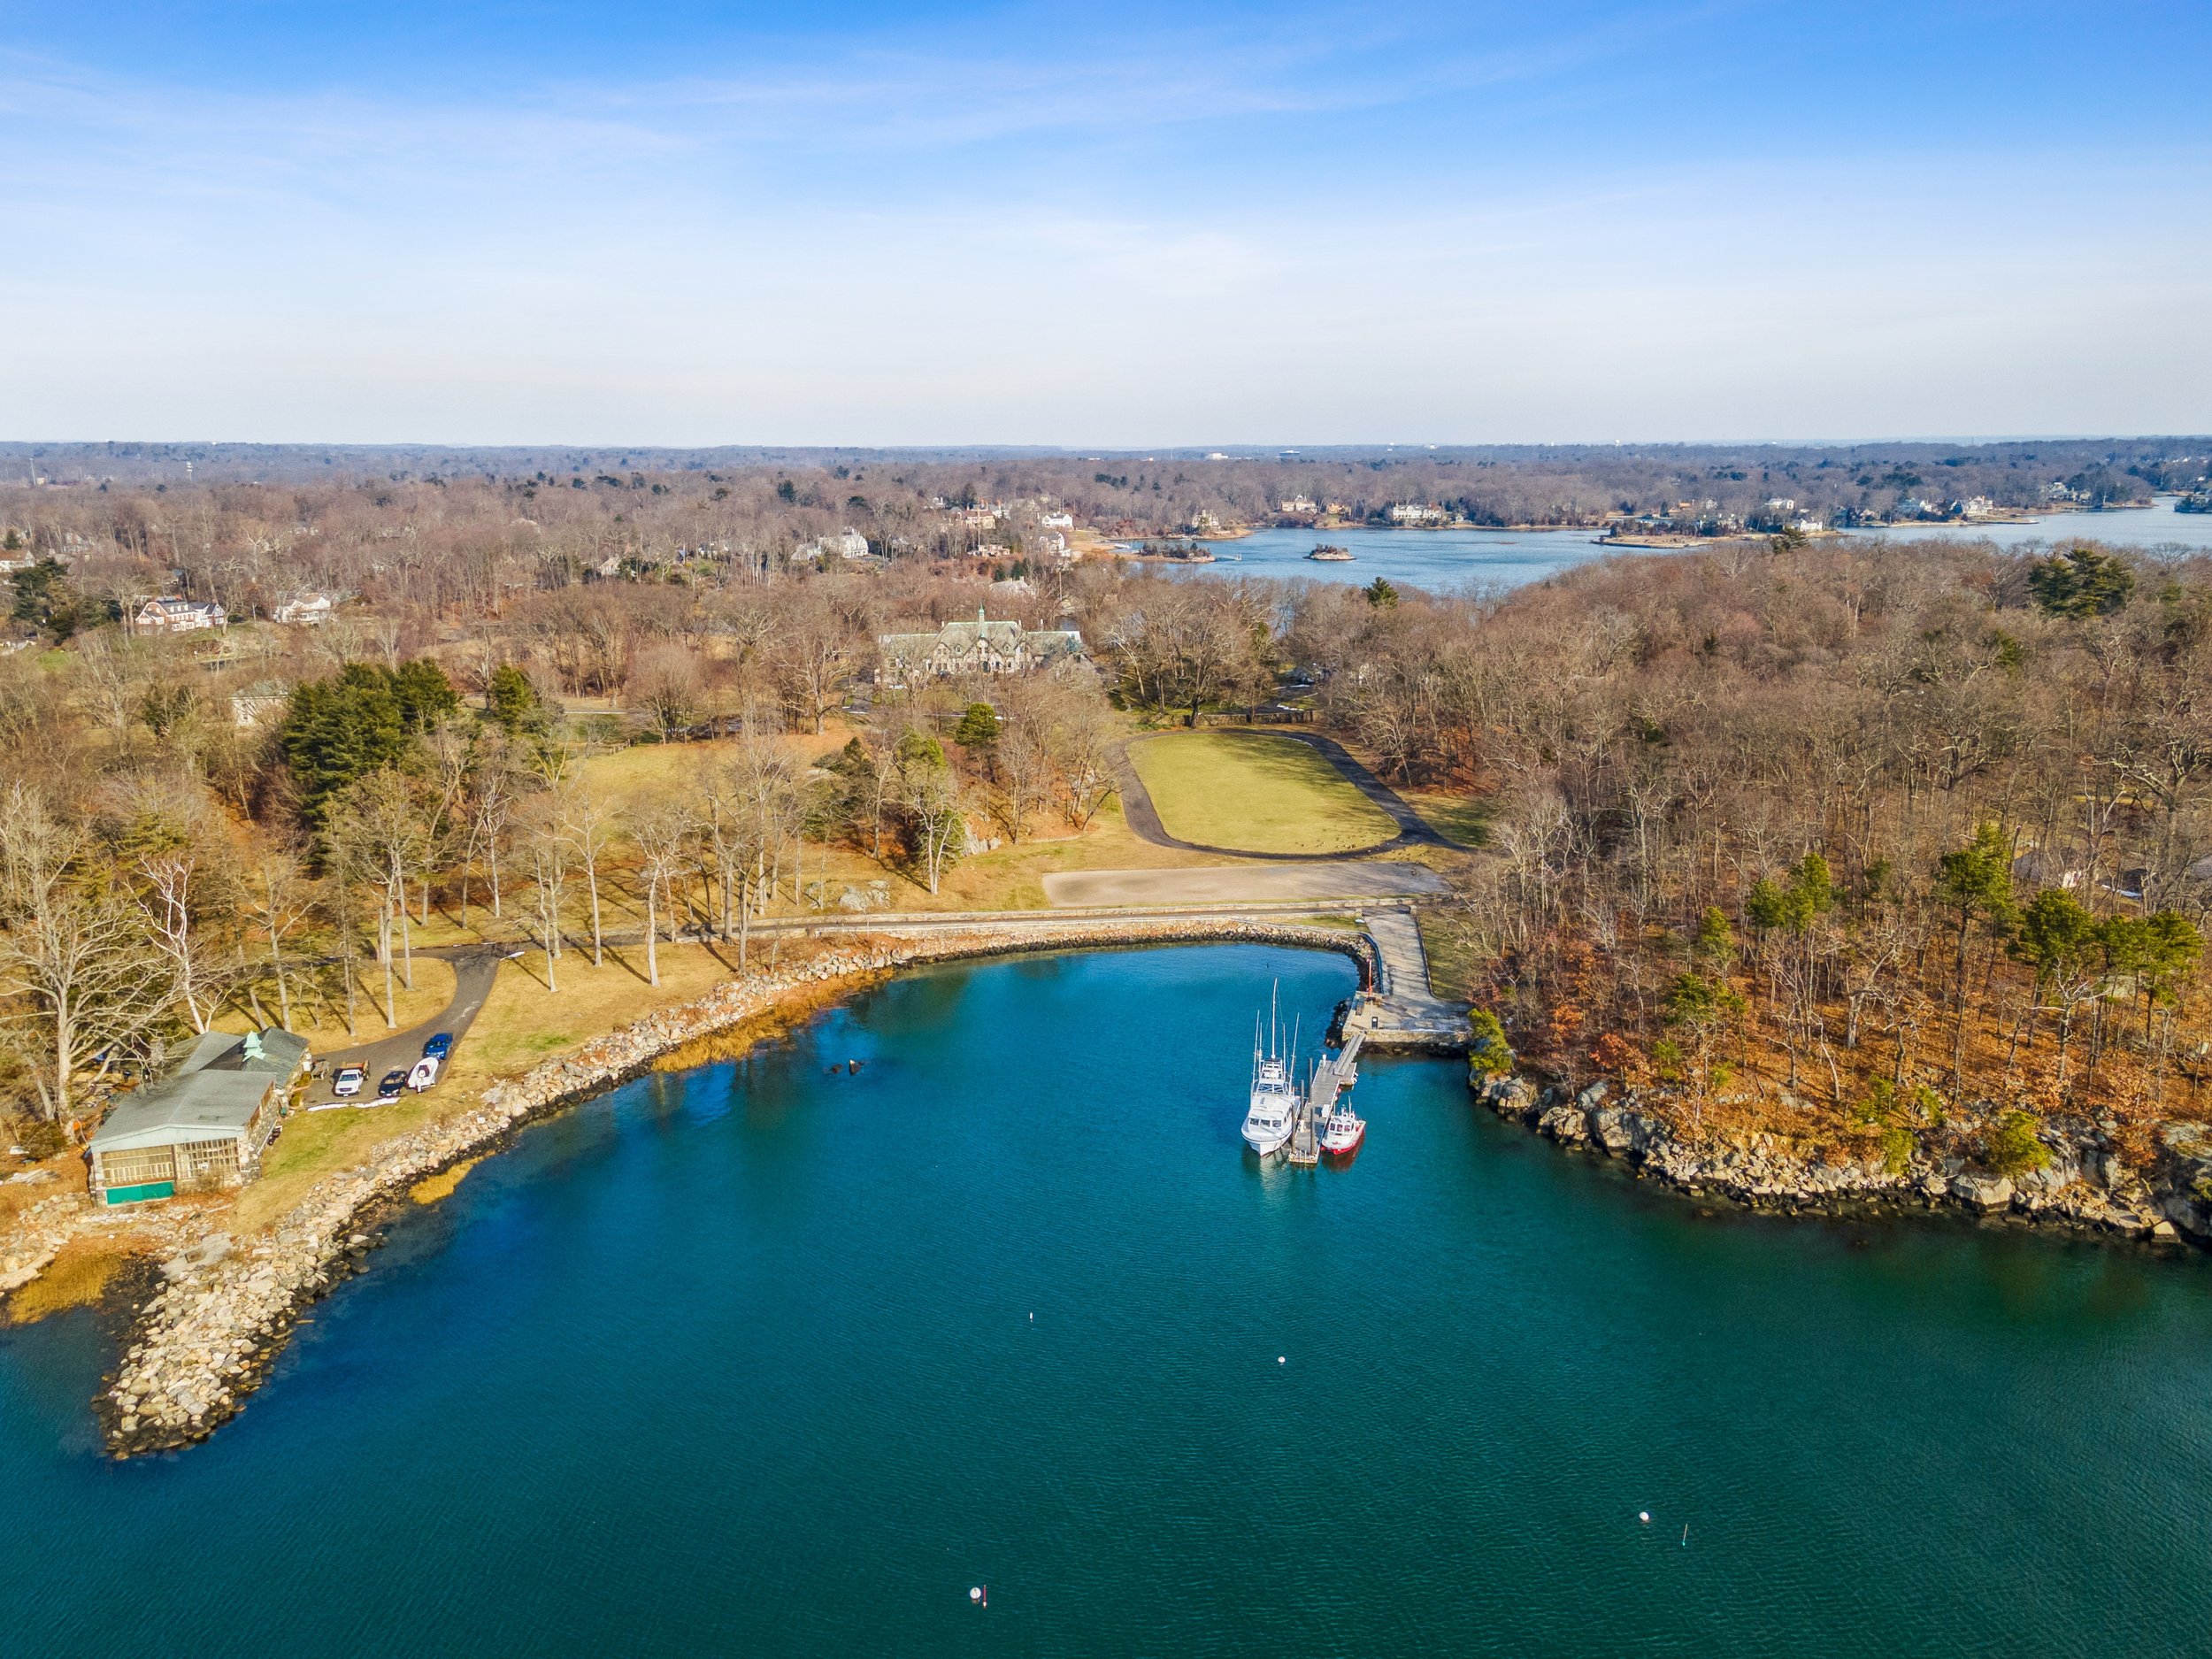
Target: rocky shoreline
(225, 1307)
(2086, 1185)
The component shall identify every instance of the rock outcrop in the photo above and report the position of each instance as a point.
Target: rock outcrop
(2086, 1183)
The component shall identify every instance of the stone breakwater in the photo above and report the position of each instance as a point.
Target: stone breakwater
(2086, 1183)
(205, 1339)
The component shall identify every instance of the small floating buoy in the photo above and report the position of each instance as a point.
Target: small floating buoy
(1644, 1515)
(853, 1066)
(1282, 1359)
(975, 1594)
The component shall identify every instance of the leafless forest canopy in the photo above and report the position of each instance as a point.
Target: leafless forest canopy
(1826, 835)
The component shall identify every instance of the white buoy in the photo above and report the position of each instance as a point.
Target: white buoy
(975, 1594)
(1644, 1515)
(1282, 1359)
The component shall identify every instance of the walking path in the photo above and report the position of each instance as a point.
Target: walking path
(1316, 881)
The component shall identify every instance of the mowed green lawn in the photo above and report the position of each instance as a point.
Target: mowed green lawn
(1256, 793)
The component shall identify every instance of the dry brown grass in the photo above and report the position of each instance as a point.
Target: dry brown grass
(323, 1022)
(78, 1276)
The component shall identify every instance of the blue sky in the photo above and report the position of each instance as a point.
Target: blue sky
(1137, 225)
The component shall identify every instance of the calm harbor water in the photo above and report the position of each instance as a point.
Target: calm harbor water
(2157, 525)
(744, 1361)
(1441, 561)
(1453, 561)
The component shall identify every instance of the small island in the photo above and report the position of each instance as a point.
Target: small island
(1329, 555)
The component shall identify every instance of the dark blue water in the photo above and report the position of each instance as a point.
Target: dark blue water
(741, 1363)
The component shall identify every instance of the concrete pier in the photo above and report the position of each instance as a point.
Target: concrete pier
(1400, 1011)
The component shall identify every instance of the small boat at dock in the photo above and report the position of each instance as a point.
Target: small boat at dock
(1341, 1133)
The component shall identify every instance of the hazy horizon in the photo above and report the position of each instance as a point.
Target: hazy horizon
(689, 228)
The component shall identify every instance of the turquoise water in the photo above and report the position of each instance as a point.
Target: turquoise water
(742, 1362)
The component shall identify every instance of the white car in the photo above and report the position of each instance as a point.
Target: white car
(348, 1080)
(424, 1073)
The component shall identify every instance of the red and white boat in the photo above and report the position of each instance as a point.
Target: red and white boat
(1341, 1133)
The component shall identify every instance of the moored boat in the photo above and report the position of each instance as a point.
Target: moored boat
(1341, 1133)
(1272, 1117)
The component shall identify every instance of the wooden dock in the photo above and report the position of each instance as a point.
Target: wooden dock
(1333, 1074)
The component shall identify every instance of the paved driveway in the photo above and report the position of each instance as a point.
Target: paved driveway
(1244, 884)
(473, 971)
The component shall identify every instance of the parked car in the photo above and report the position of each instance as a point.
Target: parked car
(440, 1047)
(348, 1080)
(389, 1088)
(424, 1073)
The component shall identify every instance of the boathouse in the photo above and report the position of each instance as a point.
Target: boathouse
(204, 1125)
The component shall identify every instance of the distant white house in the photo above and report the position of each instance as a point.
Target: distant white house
(1295, 504)
(846, 544)
(308, 611)
(1978, 507)
(174, 615)
(1781, 504)
(1409, 512)
(1057, 521)
(1054, 543)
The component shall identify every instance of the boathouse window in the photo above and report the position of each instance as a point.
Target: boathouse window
(137, 1167)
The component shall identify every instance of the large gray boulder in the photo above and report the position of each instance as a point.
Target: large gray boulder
(1619, 1129)
(1983, 1193)
(1565, 1123)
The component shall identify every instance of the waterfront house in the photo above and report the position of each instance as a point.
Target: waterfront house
(1057, 521)
(202, 1127)
(981, 646)
(1415, 513)
(172, 614)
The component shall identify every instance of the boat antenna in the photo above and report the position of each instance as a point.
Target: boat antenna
(1272, 989)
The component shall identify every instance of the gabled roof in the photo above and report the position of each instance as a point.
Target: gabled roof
(211, 1096)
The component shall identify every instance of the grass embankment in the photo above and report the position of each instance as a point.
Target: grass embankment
(1463, 820)
(1256, 793)
(1454, 965)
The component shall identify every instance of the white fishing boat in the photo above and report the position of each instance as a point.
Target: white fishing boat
(1273, 1117)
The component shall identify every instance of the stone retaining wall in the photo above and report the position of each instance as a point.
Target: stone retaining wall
(206, 1339)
